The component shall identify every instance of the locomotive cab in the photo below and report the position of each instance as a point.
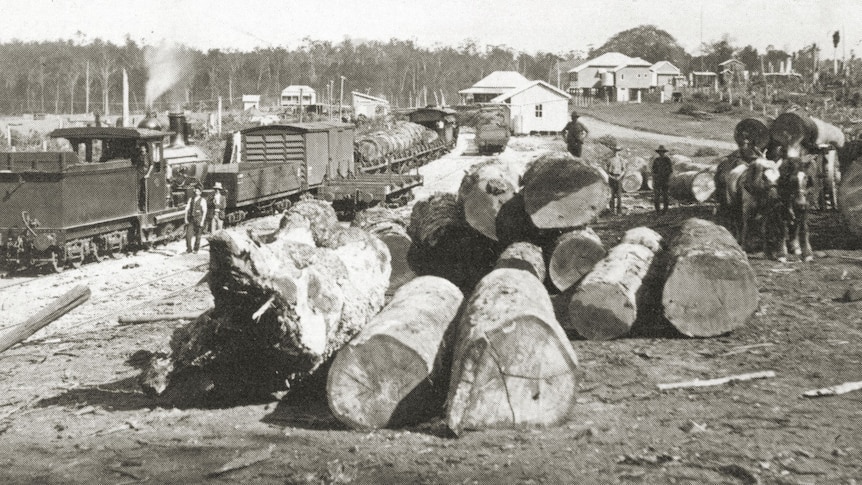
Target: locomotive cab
(96, 198)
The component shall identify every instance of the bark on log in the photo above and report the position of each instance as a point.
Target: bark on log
(281, 309)
(525, 256)
(514, 224)
(139, 319)
(606, 303)
(710, 288)
(392, 372)
(850, 199)
(54, 310)
(574, 255)
(562, 192)
(445, 245)
(513, 364)
(484, 189)
(391, 227)
(691, 186)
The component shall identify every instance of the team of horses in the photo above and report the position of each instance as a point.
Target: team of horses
(769, 184)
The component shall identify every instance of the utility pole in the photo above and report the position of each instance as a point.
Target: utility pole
(87, 89)
(341, 99)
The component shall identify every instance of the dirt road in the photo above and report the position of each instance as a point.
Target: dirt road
(71, 410)
(599, 128)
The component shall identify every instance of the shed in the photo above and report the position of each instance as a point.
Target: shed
(536, 107)
(291, 95)
(491, 86)
(250, 101)
(369, 106)
(665, 74)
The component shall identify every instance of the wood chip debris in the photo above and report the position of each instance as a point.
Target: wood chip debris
(834, 390)
(718, 381)
(243, 461)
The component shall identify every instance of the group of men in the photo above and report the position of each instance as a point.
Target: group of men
(196, 206)
(196, 215)
(575, 133)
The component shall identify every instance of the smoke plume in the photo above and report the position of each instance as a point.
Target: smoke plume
(165, 67)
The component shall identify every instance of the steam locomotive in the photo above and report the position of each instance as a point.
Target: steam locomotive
(64, 208)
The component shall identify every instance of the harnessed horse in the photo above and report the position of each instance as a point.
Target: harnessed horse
(794, 187)
(757, 195)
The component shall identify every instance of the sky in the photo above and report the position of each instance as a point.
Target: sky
(530, 26)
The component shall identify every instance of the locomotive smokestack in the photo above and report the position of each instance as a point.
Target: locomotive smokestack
(178, 125)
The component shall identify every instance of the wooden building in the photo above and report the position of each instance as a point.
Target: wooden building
(295, 95)
(536, 107)
(491, 86)
(369, 106)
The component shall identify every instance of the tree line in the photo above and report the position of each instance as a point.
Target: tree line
(65, 76)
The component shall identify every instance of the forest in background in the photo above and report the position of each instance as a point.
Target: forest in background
(75, 77)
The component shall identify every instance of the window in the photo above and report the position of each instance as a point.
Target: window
(538, 111)
(622, 76)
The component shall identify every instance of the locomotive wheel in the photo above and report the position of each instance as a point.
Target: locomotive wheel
(167, 232)
(56, 263)
(94, 251)
(76, 264)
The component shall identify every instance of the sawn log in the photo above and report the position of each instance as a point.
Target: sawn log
(513, 364)
(392, 372)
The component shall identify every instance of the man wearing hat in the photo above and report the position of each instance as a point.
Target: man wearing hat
(614, 167)
(575, 133)
(196, 213)
(219, 204)
(662, 168)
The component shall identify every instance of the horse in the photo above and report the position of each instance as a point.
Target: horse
(796, 181)
(757, 197)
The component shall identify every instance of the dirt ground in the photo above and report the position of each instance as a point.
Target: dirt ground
(71, 410)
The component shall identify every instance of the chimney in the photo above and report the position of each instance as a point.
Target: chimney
(177, 125)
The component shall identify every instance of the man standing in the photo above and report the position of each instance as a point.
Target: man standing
(144, 167)
(219, 205)
(662, 168)
(196, 212)
(614, 168)
(575, 133)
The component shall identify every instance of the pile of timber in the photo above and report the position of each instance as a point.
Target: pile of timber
(282, 308)
(404, 135)
(691, 181)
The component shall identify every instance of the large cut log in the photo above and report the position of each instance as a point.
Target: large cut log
(850, 198)
(642, 166)
(710, 288)
(445, 245)
(682, 163)
(606, 303)
(574, 255)
(280, 309)
(793, 129)
(392, 372)
(513, 365)
(562, 192)
(632, 181)
(523, 255)
(390, 226)
(691, 186)
(54, 310)
(484, 189)
(753, 131)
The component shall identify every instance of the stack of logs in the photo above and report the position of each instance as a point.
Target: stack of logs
(477, 334)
